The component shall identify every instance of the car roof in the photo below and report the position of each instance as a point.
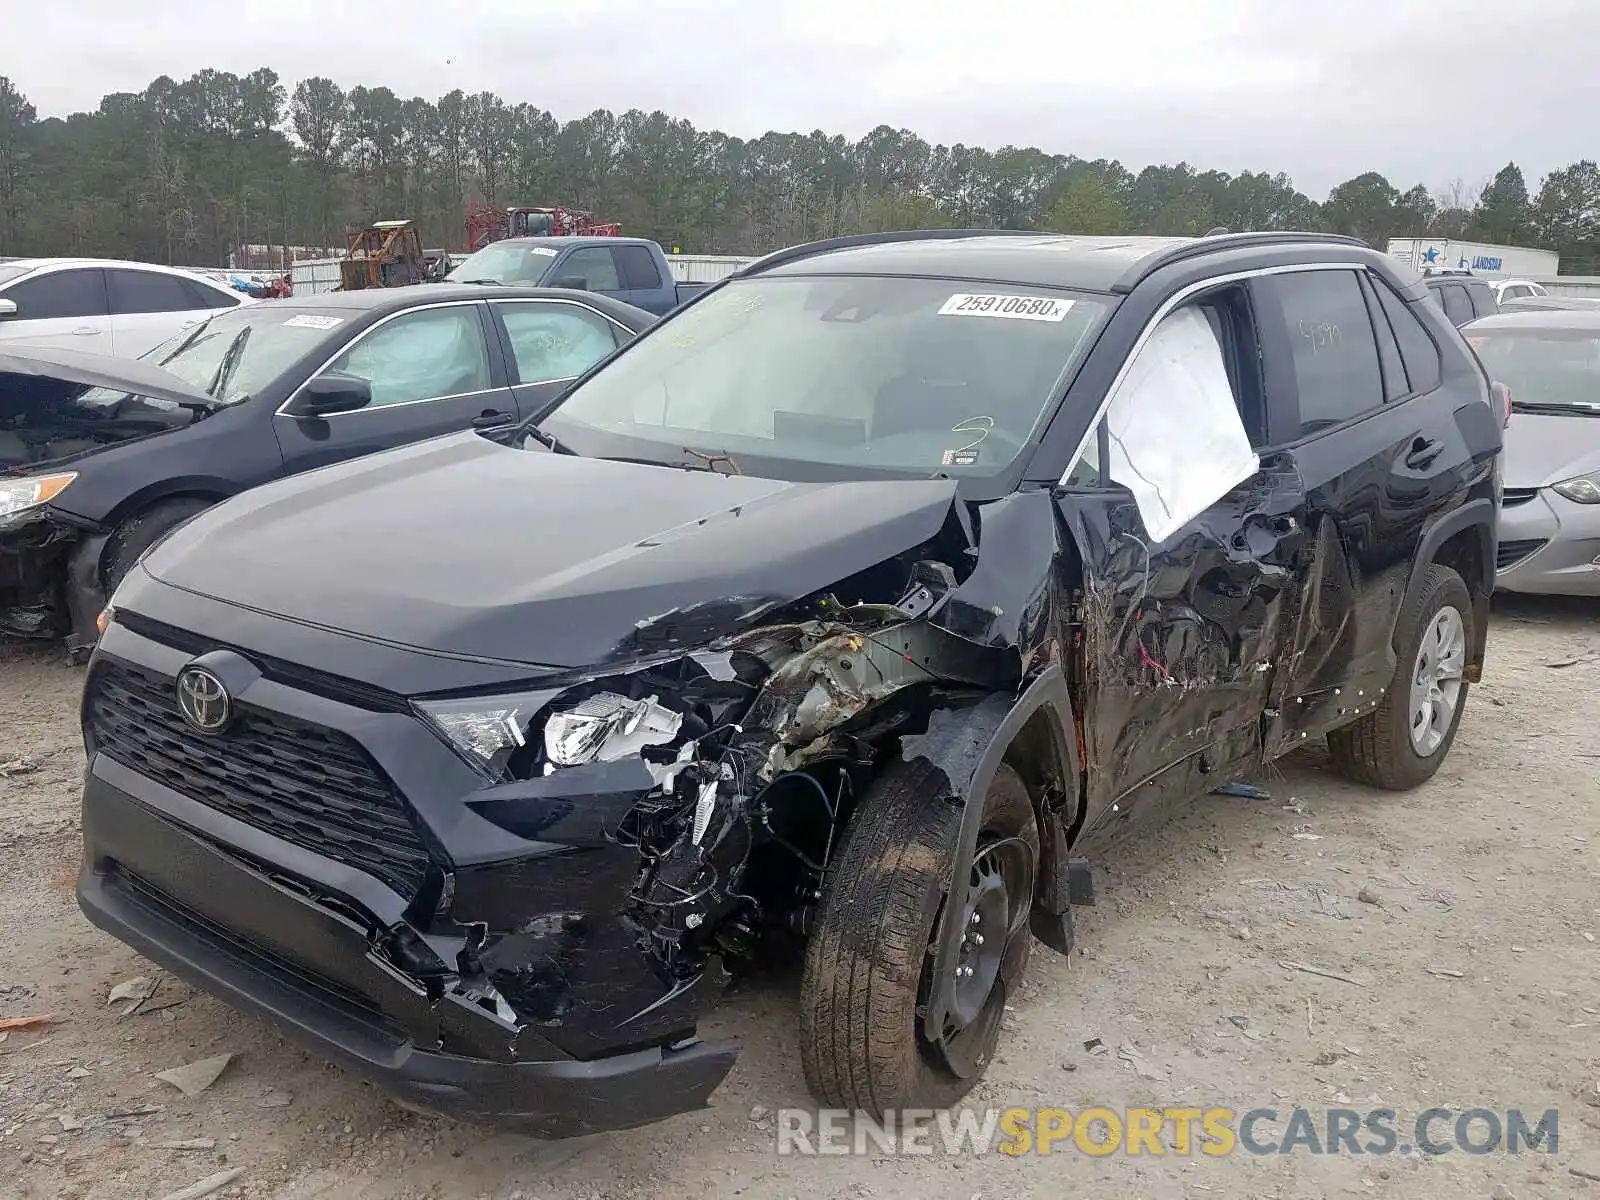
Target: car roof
(382, 301)
(1545, 318)
(574, 240)
(1095, 264)
(36, 263)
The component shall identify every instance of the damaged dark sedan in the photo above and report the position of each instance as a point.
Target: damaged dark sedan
(99, 457)
(852, 611)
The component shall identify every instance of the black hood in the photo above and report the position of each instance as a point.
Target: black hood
(467, 547)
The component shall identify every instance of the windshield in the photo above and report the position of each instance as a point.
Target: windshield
(1545, 368)
(14, 270)
(236, 353)
(879, 373)
(506, 262)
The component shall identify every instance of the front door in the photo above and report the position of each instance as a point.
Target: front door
(1188, 541)
(592, 269)
(59, 308)
(431, 373)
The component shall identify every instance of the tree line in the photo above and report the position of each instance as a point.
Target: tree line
(183, 172)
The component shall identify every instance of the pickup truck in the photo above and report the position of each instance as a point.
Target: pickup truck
(632, 270)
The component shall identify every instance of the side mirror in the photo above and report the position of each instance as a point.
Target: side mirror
(576, 283)
(8, 308)
(328, 394)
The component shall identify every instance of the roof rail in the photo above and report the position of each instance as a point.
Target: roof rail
(806, 250)
(1213, 242)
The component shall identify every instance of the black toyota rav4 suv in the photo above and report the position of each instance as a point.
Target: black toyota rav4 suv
(854, 609)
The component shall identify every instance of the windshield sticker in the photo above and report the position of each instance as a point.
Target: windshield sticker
(1016, 308)
(959, 458)
(543, 251)
(308, 321)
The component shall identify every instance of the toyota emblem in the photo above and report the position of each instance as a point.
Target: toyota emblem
(203, 700)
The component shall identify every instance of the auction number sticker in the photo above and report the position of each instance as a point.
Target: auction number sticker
(309, 321)
(1015, 308)
(543, 251)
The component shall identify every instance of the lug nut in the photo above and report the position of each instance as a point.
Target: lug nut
(976, 919)
(977, 939)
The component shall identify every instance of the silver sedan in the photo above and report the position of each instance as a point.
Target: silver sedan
(1550, 514)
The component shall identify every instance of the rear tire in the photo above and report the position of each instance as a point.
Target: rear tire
(141, 531)
(1402, 742)
(869, 962)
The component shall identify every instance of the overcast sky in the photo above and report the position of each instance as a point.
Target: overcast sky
(1422, 90)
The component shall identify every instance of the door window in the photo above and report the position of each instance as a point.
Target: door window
(1456, 304)
(422, 355)
(1173, 430)
(149, 292)
(637, 267)
(595, 266)
(555, 341)
(1332, 349)
(1481, 297)
(59, 294)
(1417, 349)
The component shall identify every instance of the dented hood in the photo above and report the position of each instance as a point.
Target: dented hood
(467, 547)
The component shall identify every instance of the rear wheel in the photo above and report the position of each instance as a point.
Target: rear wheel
(1402, 742)
(864, 1043)
(140, 531)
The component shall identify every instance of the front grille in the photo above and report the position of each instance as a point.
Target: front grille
(304, 783)
(1511, 497)
(1513, 552)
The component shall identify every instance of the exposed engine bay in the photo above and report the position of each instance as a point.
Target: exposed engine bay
(45, 420)
(749, 756)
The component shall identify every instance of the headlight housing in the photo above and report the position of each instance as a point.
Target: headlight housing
(1584, 489)
(496, 734)
(19, 495)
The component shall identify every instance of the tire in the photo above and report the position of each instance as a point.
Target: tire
(1379, 749)
(141, 531)
(868, 963)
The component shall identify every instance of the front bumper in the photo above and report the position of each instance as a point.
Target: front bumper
(152, 878)
(1549, 545)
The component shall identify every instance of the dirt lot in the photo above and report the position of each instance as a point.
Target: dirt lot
(1464, 917)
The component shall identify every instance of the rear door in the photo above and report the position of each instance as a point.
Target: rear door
(549, 343)
(642, 278)
(148, 307)
(65, 307)
(432, 370)
(1188, 538)
(1361, 406)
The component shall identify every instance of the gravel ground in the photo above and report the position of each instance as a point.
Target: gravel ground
(1463, 915)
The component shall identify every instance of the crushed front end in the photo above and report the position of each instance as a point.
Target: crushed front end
(509, 896)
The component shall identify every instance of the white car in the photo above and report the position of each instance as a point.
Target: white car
(104, 305)
(1515, 289)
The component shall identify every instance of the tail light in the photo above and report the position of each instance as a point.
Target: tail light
(1502, 395)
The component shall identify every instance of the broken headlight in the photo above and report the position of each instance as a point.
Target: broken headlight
(497, 734)
(605, 727)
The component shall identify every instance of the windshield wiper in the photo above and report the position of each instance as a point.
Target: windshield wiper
(495, 282)
(230, 362)
(548, 440)
(1552, 408)
(711, 458)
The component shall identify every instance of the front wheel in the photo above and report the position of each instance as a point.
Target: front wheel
(869, 966)
(1402, 742)
(141, 531)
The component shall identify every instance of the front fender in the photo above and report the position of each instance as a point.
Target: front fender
(968, 746)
